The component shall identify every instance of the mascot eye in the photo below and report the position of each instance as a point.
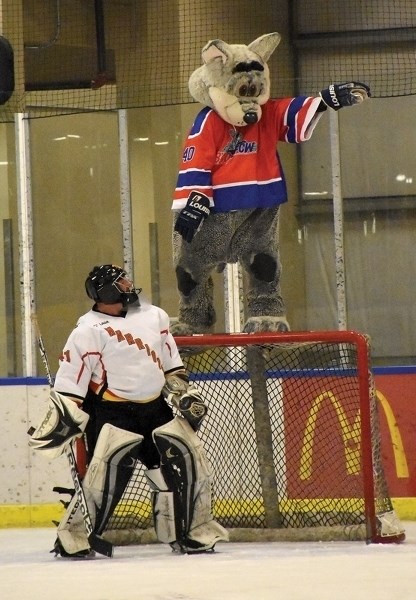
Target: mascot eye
(247, 90)
(243, 90)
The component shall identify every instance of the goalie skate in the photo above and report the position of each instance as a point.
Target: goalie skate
(59, 550)
(201, 539)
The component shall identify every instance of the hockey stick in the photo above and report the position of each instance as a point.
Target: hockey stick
(97, 543)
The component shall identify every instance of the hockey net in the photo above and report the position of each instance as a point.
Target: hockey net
(292, 436)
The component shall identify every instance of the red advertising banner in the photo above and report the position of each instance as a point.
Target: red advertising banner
(322, 429)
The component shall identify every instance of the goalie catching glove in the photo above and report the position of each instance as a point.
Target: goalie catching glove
(338, 95)
(63, 423)
(185, 397)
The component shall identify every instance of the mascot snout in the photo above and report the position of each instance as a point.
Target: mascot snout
(248, 86)
(250, 117)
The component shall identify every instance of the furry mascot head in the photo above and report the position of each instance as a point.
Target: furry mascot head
(235, 79)
(231, 184)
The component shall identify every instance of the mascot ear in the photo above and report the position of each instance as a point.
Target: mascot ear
(215, 49)
(265, 45)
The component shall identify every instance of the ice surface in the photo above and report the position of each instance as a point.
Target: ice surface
(251, 571)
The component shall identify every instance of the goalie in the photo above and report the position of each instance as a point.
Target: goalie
(122, 366)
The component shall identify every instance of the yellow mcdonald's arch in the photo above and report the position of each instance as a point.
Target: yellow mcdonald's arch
(402, 468)
(351, 437)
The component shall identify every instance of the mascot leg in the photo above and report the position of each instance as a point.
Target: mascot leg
(196, 307)
(194, 263)
(182, 491)
(107, 476)
(259, 253)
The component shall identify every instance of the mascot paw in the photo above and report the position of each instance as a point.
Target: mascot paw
(180, 328)
(259, 324)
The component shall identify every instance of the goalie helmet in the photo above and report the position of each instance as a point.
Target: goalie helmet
(109, 284)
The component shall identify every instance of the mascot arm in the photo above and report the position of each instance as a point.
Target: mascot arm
(338, 95)
(191, 218)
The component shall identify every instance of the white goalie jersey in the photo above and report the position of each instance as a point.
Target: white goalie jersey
(121, 358)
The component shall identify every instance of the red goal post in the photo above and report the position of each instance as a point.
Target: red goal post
(292, 437)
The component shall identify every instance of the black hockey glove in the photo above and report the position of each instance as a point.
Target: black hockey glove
(192, 216)
(338, 95)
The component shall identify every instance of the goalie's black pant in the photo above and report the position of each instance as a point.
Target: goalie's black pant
(141, 418)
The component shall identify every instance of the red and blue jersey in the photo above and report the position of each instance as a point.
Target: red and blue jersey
(239, 167)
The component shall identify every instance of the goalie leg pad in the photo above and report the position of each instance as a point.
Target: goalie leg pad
(163, 506)
(110, 469)
(187, 473)
(106, 478)
(72, 534)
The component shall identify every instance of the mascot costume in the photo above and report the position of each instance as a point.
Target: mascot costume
(231, 183)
